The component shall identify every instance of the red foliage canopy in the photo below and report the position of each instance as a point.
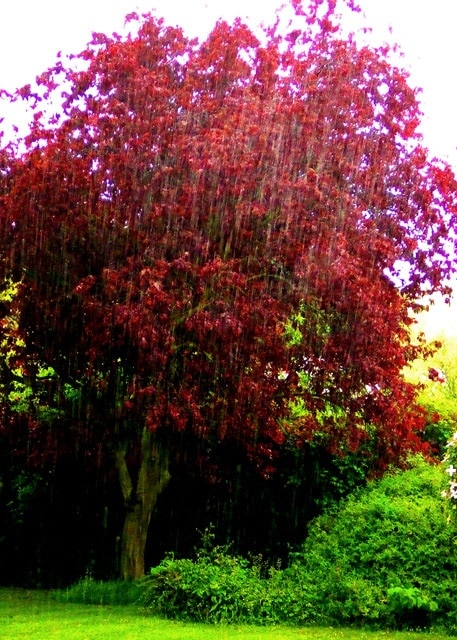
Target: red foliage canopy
(208, 231)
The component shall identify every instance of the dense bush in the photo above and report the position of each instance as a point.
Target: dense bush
(214, 587)
(386, 556)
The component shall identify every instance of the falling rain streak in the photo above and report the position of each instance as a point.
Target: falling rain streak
(202, 304)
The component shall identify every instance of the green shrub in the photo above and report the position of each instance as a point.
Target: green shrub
(214, 587)
(386, 556)
(113, 592)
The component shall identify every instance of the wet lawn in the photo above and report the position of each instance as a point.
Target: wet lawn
(36, 616)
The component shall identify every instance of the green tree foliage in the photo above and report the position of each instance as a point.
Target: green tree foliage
(436, 377)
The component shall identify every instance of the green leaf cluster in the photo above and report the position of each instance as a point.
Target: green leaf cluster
(308, 314)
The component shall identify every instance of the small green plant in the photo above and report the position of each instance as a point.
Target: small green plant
(410, 607)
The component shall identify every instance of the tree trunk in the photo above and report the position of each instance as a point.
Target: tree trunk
(140, 498)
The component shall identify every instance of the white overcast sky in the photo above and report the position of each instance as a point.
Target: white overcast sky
(33, 31)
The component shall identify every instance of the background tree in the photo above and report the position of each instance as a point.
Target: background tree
(208, 236)
(436, 376)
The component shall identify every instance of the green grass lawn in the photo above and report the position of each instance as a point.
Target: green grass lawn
(33, 615)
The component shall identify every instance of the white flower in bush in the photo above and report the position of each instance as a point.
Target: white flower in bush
(451, 456)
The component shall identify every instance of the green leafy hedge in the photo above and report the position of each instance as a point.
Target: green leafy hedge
(386, 557)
